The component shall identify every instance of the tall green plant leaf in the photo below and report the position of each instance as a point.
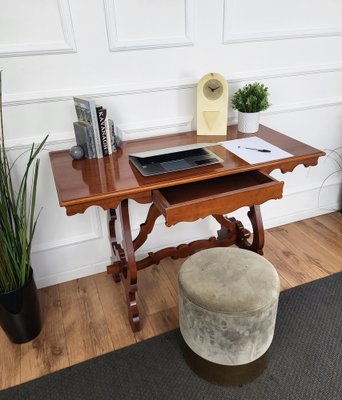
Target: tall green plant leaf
(17, 213)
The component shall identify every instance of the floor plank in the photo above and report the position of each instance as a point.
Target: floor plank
(112, 298)
(333, 220)
(164, 320)
(88, 317)
(86, 330)
(10, 362)
(48, 352)
(329, 240)
(157, 293)
(307, 254)
(290, 268)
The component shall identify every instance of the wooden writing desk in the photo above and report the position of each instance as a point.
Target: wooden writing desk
(180, 196)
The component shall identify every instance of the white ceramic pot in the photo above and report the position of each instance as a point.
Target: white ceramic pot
(248, 122)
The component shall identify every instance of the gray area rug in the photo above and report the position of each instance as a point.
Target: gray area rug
(305, 361)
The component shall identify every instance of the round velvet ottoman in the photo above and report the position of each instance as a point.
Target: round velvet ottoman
(228, 299)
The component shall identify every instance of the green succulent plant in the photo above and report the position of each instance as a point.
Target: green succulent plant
(253, 97)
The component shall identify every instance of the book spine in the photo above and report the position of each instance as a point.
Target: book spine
(101, 117)
(96, 130)
(109, 142)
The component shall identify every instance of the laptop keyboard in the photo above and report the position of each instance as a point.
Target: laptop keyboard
(172, 156)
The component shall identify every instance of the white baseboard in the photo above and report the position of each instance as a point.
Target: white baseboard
(70, 275)
(293, 217)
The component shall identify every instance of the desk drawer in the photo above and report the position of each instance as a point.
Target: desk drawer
(192, 201)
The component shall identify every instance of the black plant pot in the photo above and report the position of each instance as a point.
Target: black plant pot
(20, 313)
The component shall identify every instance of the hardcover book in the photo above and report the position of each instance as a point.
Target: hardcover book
(86, 114)
(109, 140)
(101, 117)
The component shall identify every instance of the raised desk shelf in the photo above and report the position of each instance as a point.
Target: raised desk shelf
(192, 201)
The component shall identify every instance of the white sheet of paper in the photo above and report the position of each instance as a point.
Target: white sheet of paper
(254, 156)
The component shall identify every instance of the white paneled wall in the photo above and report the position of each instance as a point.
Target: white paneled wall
(145, 24)
(142, 59)
(247, 21)
(25, 31)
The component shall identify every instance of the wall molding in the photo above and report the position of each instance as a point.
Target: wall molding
(95, 233)
(262, 36)
(162, 127)
(156, 128)
(115, 44)
(292, 107)
(19, 99)
(304, 106)
(29, 49)
(320, 209)
(54, 140)
(76, 273)
(127, 131)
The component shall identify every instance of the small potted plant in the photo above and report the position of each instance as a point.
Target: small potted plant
(249, 101)
(19, 306)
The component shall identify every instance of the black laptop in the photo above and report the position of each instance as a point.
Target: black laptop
(173, 159)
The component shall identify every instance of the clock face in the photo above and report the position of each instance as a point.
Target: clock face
(213, 89)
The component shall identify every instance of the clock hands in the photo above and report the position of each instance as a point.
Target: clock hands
(213, 89)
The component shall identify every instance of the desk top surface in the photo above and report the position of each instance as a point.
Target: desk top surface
(107, 181)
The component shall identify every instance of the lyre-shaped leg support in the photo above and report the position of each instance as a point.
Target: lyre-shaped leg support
(254, 214)
(130, 280)
(117, 266)
(126, 266)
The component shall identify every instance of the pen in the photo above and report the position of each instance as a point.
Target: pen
(252, 148)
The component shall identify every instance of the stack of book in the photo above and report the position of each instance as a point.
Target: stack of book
(94, 132)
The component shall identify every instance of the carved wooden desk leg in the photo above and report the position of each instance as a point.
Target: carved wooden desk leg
(130, 280)
(257, 244)
(146, 227)
(116, 266)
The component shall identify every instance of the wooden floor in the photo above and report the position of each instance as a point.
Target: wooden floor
(87, 317)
